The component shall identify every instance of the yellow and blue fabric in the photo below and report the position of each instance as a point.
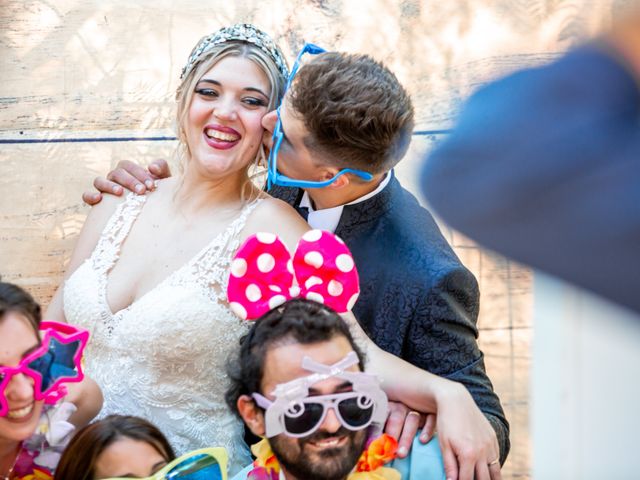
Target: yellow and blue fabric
(424, 461)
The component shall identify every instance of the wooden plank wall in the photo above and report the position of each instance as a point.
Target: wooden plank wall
(79, 74)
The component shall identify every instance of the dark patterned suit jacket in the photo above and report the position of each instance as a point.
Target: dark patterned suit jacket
(417, 300)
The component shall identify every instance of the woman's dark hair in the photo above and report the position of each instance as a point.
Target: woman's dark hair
(296, 321)
(79, 459)
(14, 299)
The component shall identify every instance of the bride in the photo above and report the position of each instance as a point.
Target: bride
(148, 275)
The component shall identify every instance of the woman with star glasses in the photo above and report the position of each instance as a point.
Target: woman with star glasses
(39, 408)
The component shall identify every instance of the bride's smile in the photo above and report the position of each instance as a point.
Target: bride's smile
(223, 127)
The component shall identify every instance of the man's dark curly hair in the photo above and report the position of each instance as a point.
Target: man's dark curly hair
(296, 321)
(357, 112)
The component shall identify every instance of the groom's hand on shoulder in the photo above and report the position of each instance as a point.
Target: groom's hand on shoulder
(127, 176)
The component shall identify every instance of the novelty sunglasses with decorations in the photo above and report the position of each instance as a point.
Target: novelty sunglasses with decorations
(296, 414)
(274, 177)
(203, 464)
(55, 362)
(263, 276)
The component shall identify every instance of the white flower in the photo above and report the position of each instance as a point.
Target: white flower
(59, 431)
(48, 459)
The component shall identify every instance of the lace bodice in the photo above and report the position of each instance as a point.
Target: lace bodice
(163, 357)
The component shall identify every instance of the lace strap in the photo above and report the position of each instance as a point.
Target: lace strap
(233, 241)
(212, 265)
(107, 250)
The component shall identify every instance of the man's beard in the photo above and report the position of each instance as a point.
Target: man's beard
(328, 464)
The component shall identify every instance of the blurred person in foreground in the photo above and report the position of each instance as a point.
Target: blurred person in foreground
(544, 167)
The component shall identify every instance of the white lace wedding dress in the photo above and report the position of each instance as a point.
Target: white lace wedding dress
(163, 357)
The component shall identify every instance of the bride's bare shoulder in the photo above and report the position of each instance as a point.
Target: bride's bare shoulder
(275, 216)
(276, 206)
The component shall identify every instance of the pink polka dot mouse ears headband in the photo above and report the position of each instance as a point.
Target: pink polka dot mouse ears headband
(264, 275)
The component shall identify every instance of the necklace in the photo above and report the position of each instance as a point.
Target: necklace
(7, 476)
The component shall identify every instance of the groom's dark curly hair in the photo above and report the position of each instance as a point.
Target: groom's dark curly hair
(296, 321)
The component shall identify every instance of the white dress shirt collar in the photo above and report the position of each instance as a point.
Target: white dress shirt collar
(328, 218)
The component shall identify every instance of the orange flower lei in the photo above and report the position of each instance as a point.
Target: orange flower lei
(370, 466)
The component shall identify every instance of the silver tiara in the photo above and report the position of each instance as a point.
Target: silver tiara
(242, 32)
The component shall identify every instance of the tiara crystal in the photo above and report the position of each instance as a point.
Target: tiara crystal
(242, 32)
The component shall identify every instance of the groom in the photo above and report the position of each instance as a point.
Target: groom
(418, 301)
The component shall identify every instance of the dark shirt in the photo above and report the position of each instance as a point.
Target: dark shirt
(417, 300)
(545, 168)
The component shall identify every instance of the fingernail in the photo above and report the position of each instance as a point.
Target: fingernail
(116, 190)
(149, 184)
(155, 184)
(402, 451)
(424, 438)
(139, 188)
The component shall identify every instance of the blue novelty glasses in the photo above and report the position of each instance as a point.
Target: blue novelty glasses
(203, 464)
(276, 178)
